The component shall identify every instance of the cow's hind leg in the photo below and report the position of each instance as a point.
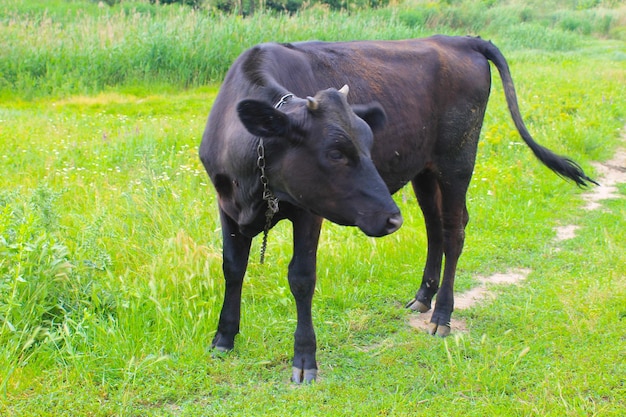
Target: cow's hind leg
(302, 277)
(455, 217)
(442, 194)
(236, 250)
(428, 195)
(454, 172)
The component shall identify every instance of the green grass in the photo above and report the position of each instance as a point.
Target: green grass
(110, 265)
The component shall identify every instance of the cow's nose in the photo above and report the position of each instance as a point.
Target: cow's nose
(394, 222)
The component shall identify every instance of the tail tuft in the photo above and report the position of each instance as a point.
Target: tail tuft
(563, 167)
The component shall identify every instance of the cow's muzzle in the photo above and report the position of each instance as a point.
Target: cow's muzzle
(377, 226)
(394, 223)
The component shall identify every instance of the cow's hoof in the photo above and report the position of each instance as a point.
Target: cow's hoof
(417, 306)
(303, 375)
(222, 349)
(440, 330)
(222, 343)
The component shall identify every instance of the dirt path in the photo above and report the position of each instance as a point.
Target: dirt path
(609, 175)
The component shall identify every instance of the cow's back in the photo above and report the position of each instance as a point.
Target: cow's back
(424, 85)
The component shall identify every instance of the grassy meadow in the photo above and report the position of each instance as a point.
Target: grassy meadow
(110, 243)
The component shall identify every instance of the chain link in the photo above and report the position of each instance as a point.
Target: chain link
(268, 195)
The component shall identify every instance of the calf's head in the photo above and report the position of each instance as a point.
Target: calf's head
(318, 158)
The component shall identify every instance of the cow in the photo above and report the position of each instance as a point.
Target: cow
(282, 142)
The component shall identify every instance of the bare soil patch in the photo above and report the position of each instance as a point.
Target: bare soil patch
(486, 290)
(611, 173)
(565, 232)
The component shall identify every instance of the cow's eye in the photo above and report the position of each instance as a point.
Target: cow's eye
(336, 155)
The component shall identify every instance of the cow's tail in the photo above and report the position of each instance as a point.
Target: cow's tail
(563, 166)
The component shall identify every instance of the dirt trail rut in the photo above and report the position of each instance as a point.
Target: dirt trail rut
(609, 175)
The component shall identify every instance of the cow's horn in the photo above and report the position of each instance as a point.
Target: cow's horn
(344, 90)
(312, 104)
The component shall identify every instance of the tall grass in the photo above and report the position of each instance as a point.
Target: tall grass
(602, 19)
(179, 46)
(56, 48)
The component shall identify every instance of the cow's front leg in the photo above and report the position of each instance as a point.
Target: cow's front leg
(235, 253)
(302, 277)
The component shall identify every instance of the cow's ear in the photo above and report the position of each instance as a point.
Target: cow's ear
(373, 114)
(261, 119)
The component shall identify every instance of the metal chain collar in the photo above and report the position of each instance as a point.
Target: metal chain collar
(268, 195)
